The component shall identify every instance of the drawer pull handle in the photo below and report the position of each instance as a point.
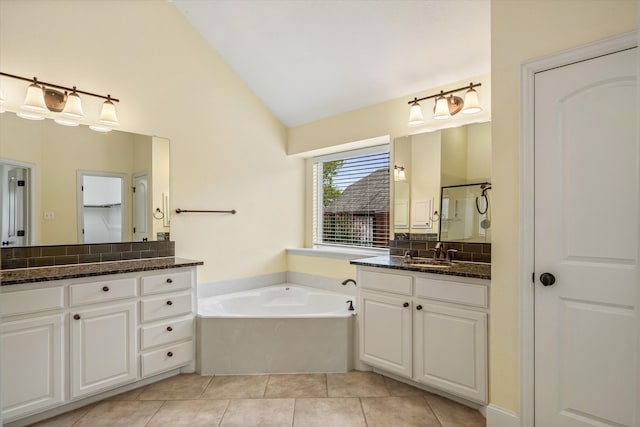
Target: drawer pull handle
(170, 354)
(76, 316)
(406, 304)
(105, 288)
(419, 307)
(169, 328)
(169, 280)
(169, 302)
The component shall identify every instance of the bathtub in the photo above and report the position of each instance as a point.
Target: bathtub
(284, 328)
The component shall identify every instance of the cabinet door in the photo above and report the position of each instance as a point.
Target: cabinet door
(385, 332)
(451, 350)
(32, 365)
(103, 348)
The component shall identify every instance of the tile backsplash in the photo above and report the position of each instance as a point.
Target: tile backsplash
(422, 246)
(46, 256)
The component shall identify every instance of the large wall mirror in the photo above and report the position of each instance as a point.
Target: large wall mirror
(442, 184)
(66, 185)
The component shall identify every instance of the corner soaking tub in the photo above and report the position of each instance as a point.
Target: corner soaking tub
(276, 329)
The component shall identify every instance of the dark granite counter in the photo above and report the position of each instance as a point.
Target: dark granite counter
(475, 270)
(44, 274)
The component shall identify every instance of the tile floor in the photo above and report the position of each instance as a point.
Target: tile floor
(324, 400)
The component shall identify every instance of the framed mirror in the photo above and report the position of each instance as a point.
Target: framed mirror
(63, 185)
(432, 161)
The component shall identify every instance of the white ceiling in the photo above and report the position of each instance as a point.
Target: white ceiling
(311, 59)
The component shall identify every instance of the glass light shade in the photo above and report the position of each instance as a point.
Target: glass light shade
(29, 115)
(99, 128)
(442, 109)
(471, 104)
(401, 175)
(108, 115)
(34, 100)
(415, 114)
(396, 173)
(65, 122)
(73, 107)
(2, 101)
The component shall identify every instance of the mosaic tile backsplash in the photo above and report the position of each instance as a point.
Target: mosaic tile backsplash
(422, 246)
(46, 256)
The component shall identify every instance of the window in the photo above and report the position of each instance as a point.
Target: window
(351, 198)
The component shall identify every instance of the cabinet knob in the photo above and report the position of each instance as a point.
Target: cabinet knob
(406, 304)
(170, 354)
(169, 280)
(105, 288)
(76, 316)
(169, 302)
(169, 328)
(419, 307)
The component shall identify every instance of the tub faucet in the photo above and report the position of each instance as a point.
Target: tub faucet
(344, 283)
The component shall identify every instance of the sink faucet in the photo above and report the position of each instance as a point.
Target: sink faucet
(407, 256)
(344, 283)
(438, 251)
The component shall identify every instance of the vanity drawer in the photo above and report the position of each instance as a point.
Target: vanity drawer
(32, 301)
(97, 292)
(386, 282)
(475, 295)
(168, 282)
(167, 358)
(165, 306)
(167, 332)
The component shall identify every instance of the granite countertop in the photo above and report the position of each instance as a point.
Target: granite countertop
(44, 274)
(477, 270)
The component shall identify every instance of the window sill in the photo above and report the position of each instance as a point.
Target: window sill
(338, 253)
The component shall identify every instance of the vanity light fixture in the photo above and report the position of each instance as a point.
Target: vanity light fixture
(398, 173)
(447, 106)
(64, 108)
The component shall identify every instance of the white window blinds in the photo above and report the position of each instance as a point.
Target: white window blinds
(351, 198)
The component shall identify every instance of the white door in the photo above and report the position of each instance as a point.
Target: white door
(385, 335)
(140, 207)
(586, 238)
(15, 205)
(102, 207)
(103, 348)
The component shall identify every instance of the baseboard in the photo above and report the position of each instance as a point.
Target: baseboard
(499, 417)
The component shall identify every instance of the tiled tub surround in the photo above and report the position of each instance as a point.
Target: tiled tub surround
(46, 256)
(475, 252)
(284, 328)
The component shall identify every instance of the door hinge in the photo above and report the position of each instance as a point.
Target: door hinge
(20, 233)
(134, 229)
(134, 189)
(82, 188)
(533, 277)
(21, 183)
(83, 231)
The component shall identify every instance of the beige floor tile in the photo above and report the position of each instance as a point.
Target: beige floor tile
(342, 412)
(115, 413)
(236, 387)
(410, 411)
(189, 413)
(297, 385)
(183, 387)
(65, 420)
(397, 388)
(453, 414)
(356, 384)
(128, 395)
(259, 412)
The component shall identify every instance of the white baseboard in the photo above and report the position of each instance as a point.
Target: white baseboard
(499, 417)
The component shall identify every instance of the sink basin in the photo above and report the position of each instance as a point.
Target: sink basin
(431, 263)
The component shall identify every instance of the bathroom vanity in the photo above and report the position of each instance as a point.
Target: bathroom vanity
(426, 323)
(72, 332)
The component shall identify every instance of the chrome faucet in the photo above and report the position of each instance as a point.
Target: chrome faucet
(438, 251)
(407, 257)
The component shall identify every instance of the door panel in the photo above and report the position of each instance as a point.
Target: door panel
(140, 208)
(586, 228)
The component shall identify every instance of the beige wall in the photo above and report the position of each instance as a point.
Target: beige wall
(521, 31)
(172, 84)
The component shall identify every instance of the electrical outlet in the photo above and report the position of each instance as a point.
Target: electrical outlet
(49, 215)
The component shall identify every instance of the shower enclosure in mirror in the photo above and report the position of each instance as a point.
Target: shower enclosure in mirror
(58, 198)
(432, 161)
(466, 213)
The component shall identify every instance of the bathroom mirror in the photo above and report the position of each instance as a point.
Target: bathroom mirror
(50, 184)
(431, 161)
(465, 213)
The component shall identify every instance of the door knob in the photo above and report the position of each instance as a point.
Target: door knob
(547, 279)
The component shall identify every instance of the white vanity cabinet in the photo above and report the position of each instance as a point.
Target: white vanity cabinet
(429, 328)
(32, 348)
(102, 334)
(65, 340)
